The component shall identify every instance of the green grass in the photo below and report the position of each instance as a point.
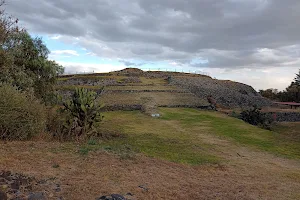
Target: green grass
(73, 87)
(175, 136)
(275, 142)
(155, 138)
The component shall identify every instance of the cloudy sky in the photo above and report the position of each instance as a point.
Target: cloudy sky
(256, 42)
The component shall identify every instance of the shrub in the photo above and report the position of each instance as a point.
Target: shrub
(21, 114)
(234, 114)
(56, 123)
(83, 112)
(255, 117)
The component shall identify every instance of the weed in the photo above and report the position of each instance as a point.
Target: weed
(92, 142)
(84, 151)
(55, 166)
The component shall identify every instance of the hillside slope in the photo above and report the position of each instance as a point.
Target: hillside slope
(133, 88)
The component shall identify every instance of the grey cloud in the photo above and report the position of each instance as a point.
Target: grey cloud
(129, 63)
(228, 33)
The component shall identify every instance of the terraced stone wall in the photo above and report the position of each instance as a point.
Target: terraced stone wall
(227, 93)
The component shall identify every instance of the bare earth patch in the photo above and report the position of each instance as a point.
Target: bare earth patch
(248, 174)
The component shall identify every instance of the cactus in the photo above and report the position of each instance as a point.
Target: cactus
(83, 111)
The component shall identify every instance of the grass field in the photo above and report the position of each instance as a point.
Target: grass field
(277, 141)
(187, 153)
(182, 135)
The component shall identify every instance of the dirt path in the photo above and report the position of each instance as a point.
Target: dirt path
(249, 175)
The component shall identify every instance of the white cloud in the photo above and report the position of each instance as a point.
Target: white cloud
(74, 67)
(272, 77)
(55, 37)
(64, 53)
(91, 54)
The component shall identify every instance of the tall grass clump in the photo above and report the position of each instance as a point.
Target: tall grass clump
(22, 116)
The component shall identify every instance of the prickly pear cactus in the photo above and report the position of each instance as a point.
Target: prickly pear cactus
(84, 111)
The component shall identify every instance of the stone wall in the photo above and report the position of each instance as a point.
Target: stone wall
(122, 107)
(227, 93)
(285, 116)
(142, 91)
(152, 74)
(100, 82)
(90, 82)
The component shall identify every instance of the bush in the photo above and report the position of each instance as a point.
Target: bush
(234, 114)
(56, 123)
(21, 114)
(255, 117)
(82, 113)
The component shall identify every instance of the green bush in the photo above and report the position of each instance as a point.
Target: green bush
(83, 112)
(255, 117)
(21, 114)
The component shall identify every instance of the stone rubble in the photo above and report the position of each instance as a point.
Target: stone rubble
(15, 186)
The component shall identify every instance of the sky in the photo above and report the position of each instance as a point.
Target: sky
(256, 42)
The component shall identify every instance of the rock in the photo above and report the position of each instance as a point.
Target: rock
(143, 187)
(117, 197)
(3, 196)
(226, 93)
(36, 196)
(57, 188)
(155, 115)
(112, 197)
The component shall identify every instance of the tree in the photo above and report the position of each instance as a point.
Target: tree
(297, 78)
(24, 60)
(291, 93)
(269, 93)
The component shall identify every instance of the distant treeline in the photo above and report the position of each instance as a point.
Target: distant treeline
(290, 94)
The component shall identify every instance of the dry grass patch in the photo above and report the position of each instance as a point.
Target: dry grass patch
(140, 87)
(154, 81)
(161, 98)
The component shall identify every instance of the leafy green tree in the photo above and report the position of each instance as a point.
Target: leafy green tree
(269, 93)
(24, 60)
